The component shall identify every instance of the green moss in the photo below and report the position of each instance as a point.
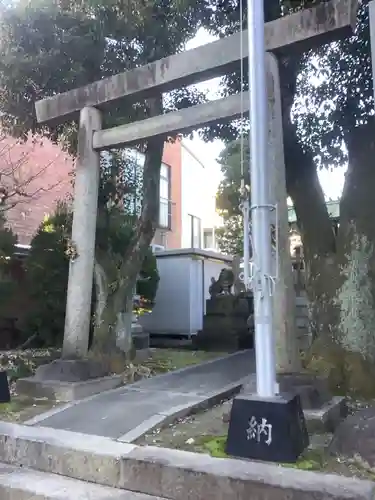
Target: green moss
(310, 460)
(165, 360)
(11, 407)
(348, 373)
(215, 445)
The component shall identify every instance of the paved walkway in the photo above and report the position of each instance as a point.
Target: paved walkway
(125, 412)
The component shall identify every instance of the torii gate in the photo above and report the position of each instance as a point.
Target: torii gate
(300, 31)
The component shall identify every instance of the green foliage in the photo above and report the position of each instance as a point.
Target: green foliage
(114, 233)
(75, 43)
(234, 166)
(121, 180)
(47, 268)
(215, 445)
(334, 93)
(230, 235)
(147, 286)
(51, 46)
(331, 87)
(7, 284)
(312, 460)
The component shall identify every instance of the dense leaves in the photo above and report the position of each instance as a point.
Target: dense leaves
(50, 46)
(47, 268)
(234, 161)
(7, 243)
(335, 93)
(46, 276)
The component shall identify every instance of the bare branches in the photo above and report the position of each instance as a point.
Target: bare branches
(20, 178)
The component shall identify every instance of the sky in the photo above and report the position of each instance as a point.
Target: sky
(331, 181)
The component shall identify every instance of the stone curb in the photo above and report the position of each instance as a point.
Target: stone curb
(163, 419)
(19, 483)
(171, 474)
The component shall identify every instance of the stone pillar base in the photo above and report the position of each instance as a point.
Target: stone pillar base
(68, 380)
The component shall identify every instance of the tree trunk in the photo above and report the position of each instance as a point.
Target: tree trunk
(147, 222)
(340, 271)
(319, 244)
(356, 239)
(108, 323)
(115, 296)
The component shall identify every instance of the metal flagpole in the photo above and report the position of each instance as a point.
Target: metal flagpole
(260, 209)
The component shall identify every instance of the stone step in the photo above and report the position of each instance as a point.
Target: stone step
(18, 483)
(160, 472)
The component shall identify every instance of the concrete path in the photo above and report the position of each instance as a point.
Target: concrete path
(128, 412)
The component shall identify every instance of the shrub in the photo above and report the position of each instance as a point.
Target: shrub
(147, 285)
(47, 268)
(7, 285)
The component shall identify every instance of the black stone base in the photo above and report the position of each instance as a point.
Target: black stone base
(273, 430)
(4, 388)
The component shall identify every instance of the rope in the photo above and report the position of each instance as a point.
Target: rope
(244, 201)
(242, 102)
(248, 276)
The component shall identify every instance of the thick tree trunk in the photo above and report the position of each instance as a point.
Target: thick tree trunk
(147, 223)
(340, 271)
(356, 239)
(115, 296)
(319, 241)
(108, 324)
(321, 271)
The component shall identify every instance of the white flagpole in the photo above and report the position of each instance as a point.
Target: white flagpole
(260, 210)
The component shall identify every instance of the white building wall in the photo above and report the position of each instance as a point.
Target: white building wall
(193, 193)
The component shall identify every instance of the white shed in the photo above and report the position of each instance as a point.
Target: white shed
(185, 278)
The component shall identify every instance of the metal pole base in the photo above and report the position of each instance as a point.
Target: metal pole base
(270, 429)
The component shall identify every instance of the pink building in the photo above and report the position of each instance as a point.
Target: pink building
(44, 172)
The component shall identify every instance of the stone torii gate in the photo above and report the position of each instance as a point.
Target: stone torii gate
(299, 31)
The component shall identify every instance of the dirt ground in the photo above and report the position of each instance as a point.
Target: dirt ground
(205, 432)
(20, 364)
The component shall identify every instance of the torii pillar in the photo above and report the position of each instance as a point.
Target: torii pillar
(81, 269)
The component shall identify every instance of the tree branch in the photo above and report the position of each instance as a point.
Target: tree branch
(16, 185)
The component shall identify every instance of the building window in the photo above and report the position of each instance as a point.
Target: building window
(195, 231)
(208, 238)
(165, 212)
